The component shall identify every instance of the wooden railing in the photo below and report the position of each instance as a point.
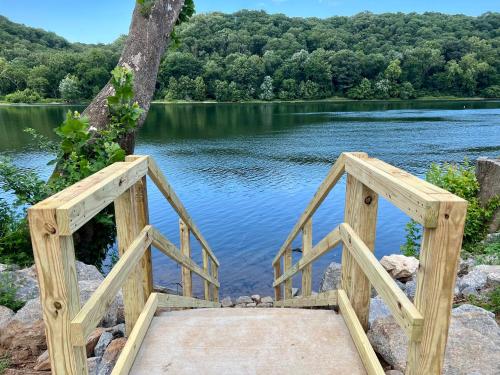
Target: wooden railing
(442, 216)
(53, 223)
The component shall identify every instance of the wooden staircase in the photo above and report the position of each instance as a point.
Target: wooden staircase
(202, 338)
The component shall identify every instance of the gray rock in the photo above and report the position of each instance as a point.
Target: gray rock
(87, 288)
(469, 292)
(464, 266)
(103, 343)
(488, 176)
(331, 277)
(267, 300)
(93, 364)
(244, 299)
(393, 372)
(3, 267)
(473, 342)
(30, 312)
(227, 302)
(295, 292)
(477, 278)
(378, 309)
(87, 272)
(493, 280)
(6, 315)
(252, 304)
(110, 356)
(256, 298)
(410, 288)
(118, 330)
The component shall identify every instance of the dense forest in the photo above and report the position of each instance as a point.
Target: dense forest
(253, 55)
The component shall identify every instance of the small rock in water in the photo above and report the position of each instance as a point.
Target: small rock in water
(256, 298)
(400, 266)
(227, 302)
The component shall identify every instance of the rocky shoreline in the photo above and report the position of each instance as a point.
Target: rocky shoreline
(473, 345)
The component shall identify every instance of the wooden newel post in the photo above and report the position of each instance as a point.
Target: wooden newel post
(187, 282)
(127, 229)
(439, 256)
(287, 264)
(59, 294)
(306, 249)
(361, 204)
(215, 275)
(277, 274)
(206, 284)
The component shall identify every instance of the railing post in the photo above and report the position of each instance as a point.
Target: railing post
(206, 284)
(277, 274)
(187, 282)
(59, 294)
(141, 198)
(287, 264)
(361, 214)
(127, 228)
(436, 276)
(215, 275)
(306, 249)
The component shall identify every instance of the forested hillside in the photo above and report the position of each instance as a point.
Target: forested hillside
(253, 55)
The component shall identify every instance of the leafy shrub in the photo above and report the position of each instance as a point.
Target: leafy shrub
(81, 152)
(4, 364)
(461, 181)
(26, 96)
(8, 292)
(492, 92)
(15, 246)
(490, 301)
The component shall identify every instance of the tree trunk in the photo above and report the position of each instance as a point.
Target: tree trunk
(146, 43)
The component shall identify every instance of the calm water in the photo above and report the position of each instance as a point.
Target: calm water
(246, 171)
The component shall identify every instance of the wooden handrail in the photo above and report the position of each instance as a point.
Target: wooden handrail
(166, 189)
(95, 308)
(403, 310)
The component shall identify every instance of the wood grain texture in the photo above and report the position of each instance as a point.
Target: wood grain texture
(287, 265)
(187, 279)
(328, 298)
(330, 241)
(405, 191)
(127, 230)
(168, 192)
(403, 310)
(277, 275)
(131, 348)
(324, 189)
(215, 275)
(360, 213)
(365, 350)
(170, 250)
(99, 302)
(174, 301)
(306, 249)
(206, 268)
(80, 202)
(55, 264)
(439, 256)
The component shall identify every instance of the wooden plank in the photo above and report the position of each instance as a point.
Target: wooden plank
(439, 256)
(361, 205)
(141, 198)
(169, 193)
(365, 350)
(127, 230)
(187, 279)
(215, 275)
(328, 298)
(206, 284)
(55, 264)
(306, 249)
(403, 310)
(277, 275)
(127, 356)
(170, 250)
(99, 302)
(173, 301)
(406, 193)
(324, 246)
(324, 189)
(287, 264)
(80, 202)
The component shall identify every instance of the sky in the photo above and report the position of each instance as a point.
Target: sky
(102, 21)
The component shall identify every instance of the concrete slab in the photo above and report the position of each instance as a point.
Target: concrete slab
(248, 341)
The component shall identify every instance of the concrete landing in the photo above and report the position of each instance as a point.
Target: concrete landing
(248, 341)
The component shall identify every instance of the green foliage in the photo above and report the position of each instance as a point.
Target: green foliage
(490, 302)
(4, 364)
(266, 89)
(69, 87)
(489, 253)
(461, 181)
(8, 292)
(82, 151)
(411, 247)
(24, 96)
(492, 91)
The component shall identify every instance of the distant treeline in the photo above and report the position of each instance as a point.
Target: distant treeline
(253, 55)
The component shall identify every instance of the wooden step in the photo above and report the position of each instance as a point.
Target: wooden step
(248, 341)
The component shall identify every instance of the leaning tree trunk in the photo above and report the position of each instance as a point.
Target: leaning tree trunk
(146, 43)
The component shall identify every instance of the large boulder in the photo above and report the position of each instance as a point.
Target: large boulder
(400, 267)
(488, 176)
(24, 342)
(480, 278)
(6, 316)
(111, 356)
(331, 277)
(473, 342)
